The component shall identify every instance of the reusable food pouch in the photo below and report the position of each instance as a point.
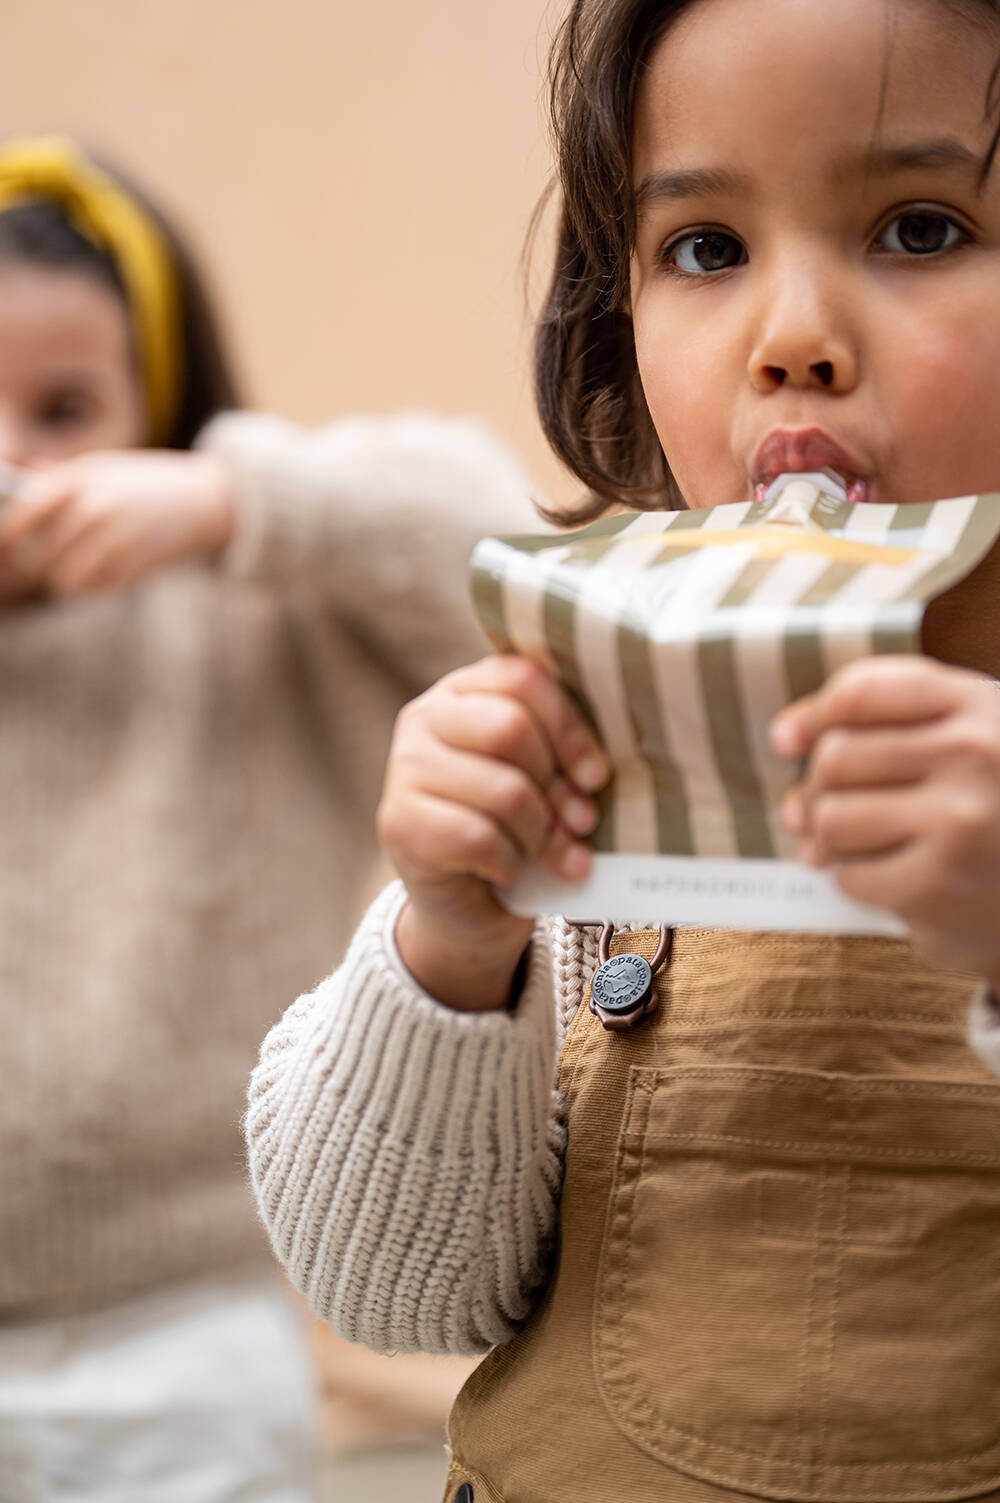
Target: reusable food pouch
(681, 635)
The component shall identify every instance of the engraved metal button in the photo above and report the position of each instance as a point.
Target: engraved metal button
(622, 983)
(621, 993)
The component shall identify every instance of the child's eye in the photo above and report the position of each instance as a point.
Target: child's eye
(64, 409)
(704, 252)
(921, 232)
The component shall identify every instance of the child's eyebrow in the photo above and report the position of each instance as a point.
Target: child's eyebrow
(883, 161)
(695, 182)
(876, 161)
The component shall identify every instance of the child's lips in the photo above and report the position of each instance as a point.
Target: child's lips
(800, 450)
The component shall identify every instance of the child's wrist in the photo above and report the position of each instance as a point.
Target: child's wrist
(466, 973)
(219, 502)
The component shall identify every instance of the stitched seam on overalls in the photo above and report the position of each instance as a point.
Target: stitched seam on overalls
(853, 1084)
(826, 1390)
(810, 1323)
(575, 1041)
(710, 1017)
(864, 1150)
(636, 1136)
(658, 1423)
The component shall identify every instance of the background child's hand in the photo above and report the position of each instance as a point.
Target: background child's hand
(900, 799)
(488, 770)
(104, 520)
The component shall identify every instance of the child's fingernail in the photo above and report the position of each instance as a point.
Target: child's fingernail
(575, 863)
(579, 815)
(786, 737)
(793, 813)
(590, 773)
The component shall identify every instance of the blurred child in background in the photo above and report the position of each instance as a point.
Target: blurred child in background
(207, 625)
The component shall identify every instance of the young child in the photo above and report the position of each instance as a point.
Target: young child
(208, 624)
(750, 1247)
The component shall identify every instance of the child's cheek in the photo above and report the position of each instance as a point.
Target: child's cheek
(944, 392)
(691, 409)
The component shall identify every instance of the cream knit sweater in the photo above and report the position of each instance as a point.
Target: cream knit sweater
(407, 1158)
(189, 773)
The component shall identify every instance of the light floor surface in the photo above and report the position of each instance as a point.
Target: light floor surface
(413, 1475)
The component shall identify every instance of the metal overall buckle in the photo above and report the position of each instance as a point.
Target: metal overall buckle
(622, 994)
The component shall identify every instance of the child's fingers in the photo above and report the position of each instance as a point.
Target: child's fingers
(577, 814)
(574, 746)
(895, 879)
(869, 758)
(848, 824)
(495, 726)
(540, 824)
(887, 690)
(46, 548)
(564, 857)
(440, 838)
(508, 796)
(36, 503)
(93, 562)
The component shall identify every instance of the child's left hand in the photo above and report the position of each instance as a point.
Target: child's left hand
(103, 520)
(900, 799)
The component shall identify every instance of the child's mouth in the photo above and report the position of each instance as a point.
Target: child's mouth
(802, 450)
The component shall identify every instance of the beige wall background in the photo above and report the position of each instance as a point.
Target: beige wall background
(357, 179)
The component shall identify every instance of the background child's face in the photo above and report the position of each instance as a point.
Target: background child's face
(817, 270)
(67, 377)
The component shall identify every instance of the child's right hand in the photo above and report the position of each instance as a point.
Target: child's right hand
(488, 770)
(102, 521)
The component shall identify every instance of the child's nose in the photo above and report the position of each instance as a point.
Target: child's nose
(803, 342)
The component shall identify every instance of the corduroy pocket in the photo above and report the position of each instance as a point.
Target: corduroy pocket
(799, 1294)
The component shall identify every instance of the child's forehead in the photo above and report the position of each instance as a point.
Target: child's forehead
(53, 317)
(811, 75)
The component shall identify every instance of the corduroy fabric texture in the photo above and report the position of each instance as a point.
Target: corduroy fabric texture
(778, 1273)
(190, 770)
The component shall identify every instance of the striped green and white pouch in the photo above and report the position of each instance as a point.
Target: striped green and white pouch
(681, 635)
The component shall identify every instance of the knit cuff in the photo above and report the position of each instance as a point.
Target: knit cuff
(275, 495)
(407, 1157)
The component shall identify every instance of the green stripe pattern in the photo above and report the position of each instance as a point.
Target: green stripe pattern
(680, 649)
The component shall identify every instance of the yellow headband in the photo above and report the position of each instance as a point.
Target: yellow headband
(53, 169)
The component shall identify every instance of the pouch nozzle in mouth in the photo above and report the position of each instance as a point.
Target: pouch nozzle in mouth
(790, 499)
(827, 481)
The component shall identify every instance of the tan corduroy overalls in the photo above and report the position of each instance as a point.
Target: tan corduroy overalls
(779, 1255)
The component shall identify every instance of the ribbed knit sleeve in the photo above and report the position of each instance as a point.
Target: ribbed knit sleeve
(378, 516)
(984, 1029)
(407, 1158)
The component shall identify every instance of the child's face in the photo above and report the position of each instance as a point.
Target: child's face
(67, 379)
(817, 271)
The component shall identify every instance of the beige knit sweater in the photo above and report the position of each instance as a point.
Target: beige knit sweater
(189, 773)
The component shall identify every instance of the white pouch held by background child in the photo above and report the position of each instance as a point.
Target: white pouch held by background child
(682, 634)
